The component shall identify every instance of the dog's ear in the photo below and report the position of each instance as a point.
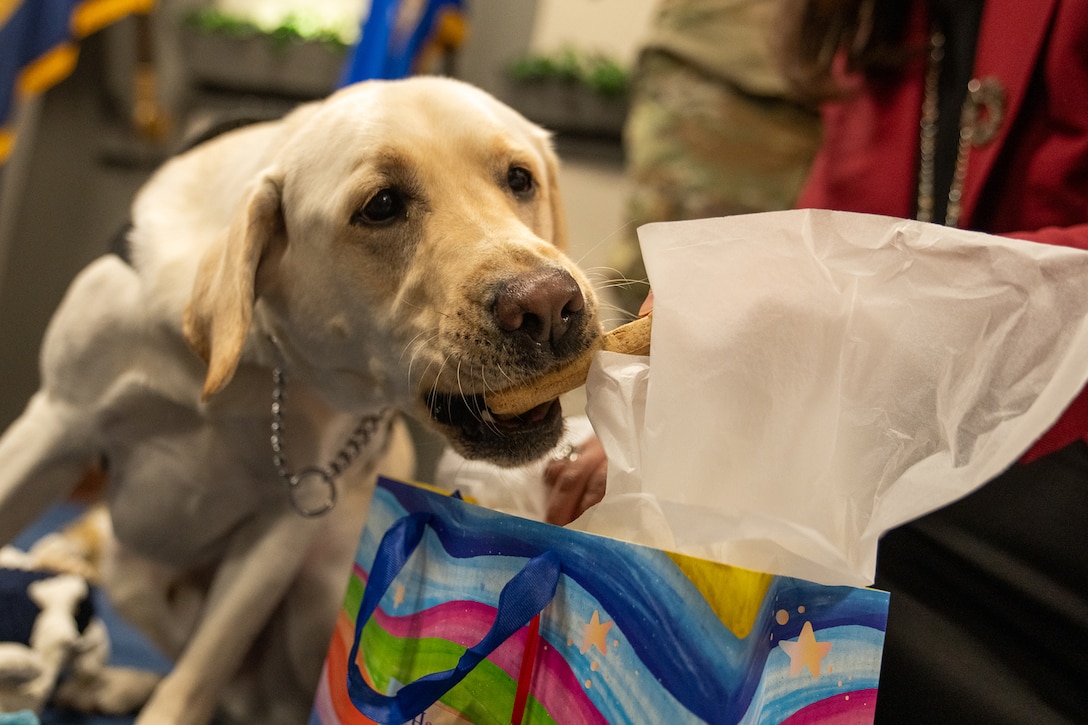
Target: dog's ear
(559, 217)
(219, 312)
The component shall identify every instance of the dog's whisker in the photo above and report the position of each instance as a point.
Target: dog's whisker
(419, 346)
(466, 397)
(625, 226)
(441, 368)
(615, 309)
(611, 272)
(424, 308)
(476, 414)
(488, 386)
(611, 277)
(503, 374)
(416, 341)
(485, 414)
(617, 284)
(416, 351)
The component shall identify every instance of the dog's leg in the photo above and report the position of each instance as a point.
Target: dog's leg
(39, 462)
(88, 343)
(247, 588)
(283, 669)
(163, 602)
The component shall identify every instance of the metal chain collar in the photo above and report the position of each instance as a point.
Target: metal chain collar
(312, 490)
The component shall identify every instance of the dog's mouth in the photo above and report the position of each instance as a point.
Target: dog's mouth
(479, 432)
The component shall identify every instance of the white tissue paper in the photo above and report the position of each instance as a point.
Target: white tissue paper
(818, 378)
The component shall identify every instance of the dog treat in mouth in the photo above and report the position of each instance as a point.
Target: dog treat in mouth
(630, 339)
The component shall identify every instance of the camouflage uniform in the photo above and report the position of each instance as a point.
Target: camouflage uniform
(712, 129)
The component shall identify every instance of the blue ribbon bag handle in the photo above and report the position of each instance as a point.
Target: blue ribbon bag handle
(523, 597)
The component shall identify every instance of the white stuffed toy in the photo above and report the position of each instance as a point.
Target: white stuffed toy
(51, 642)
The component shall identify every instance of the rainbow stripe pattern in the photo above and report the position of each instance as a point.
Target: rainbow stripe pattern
(632, 635)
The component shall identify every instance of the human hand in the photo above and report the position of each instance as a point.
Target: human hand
(575, 482)
(647, 305)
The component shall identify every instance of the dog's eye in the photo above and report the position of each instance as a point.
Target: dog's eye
(386, 206)
(519, 180)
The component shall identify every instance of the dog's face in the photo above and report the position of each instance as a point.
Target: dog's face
(407, 238)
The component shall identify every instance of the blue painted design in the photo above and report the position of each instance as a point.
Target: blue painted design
(715, 675)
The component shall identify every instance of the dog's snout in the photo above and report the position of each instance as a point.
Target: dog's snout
(540, 308)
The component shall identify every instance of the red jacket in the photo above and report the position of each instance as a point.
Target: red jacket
(1029, 182)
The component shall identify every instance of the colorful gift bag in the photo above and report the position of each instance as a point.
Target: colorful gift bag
(456, 613)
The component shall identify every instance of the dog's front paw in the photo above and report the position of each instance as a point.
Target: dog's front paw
(169, 706)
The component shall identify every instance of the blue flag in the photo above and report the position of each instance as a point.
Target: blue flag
(392, 46)
(39, 46)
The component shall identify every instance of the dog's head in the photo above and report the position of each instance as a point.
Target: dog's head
(405, 243)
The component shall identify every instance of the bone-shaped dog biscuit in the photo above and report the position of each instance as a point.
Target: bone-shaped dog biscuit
(630, 339)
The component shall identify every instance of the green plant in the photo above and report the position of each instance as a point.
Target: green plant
(210, 20)
(602, 74)
(607, 77)
(292, 29)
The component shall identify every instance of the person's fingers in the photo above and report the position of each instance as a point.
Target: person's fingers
(567, 490)
(647, 305)
(576, 482)
(594, 489)
(567, 479)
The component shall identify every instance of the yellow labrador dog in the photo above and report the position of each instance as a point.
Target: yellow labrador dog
(394, 247)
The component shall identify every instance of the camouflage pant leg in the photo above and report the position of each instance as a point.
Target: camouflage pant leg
(698, 147)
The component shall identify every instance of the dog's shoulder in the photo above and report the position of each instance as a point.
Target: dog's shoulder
(94, 330)
(192, 198)
(189, 203)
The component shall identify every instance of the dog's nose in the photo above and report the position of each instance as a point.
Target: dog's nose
(540, 307)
